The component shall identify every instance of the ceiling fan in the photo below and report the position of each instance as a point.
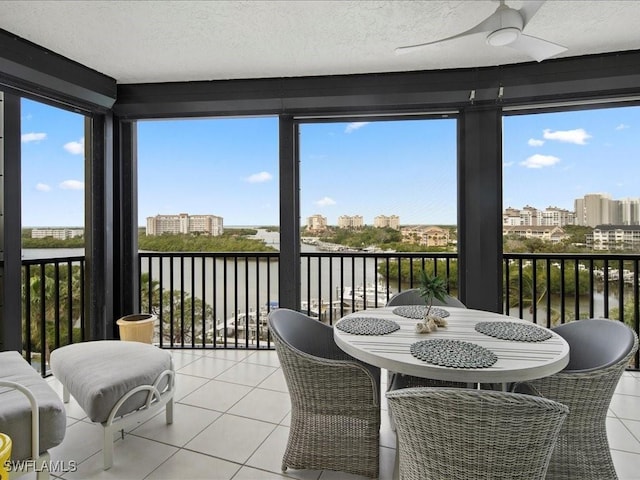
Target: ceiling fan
(503, 28)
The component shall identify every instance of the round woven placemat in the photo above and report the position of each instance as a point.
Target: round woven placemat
(417, 311)
(520, 332)
(453, 353)
(367, 325)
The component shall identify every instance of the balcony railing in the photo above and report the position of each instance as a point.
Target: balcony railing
(52, 307)
(221, 300)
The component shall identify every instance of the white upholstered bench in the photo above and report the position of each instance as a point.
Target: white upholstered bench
(31, 414)
(117, 383)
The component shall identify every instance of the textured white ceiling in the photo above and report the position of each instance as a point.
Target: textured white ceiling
(160, 41)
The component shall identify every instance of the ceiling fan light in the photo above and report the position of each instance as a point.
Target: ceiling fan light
(503, 37)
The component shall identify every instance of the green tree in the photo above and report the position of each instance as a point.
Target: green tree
(408, 271)
(51, 298)
(523, 288)
(228, 242)
(180, 317)
(628, 313)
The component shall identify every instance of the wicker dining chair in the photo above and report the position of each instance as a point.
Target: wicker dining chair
(446, 434)
(412, 297)
(396, 380)
(335, 399)
(600, 350)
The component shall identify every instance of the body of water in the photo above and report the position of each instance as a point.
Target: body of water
(323, 280)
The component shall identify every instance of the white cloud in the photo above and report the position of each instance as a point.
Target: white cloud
(43, 187)
(32, 137)
(535, 142)
(72, 185)
(579, 136)
(259, 177)
(540, 161)
(75, 148)
(325, 202)
(353, 126)
(622, 126)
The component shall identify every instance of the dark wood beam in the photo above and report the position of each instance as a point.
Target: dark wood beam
(607, 76)
(10, 224)
(39, 72)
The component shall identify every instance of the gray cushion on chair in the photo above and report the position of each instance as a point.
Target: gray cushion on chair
(595, 343)
(98, 374)
(15, 409)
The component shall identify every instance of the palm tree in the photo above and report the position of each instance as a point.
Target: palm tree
(48, 300)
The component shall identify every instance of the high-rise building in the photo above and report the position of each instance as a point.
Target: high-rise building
(316, 223)
(556, 217)
(184, 223)
(629, 211)
(350, 221)
(383, 221)
(600, 209)
(530, 216)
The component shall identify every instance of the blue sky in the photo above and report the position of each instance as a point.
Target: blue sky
(552, 159)
(229, 167)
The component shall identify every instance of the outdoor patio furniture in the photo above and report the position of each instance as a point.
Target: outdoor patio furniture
(412, 297)
(474, 434)
(31, 413)
(335, 399)
(117, 383)
(396, 380)
(600, 351)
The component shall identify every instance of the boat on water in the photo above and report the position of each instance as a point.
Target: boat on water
(256, 321)
(369, 295)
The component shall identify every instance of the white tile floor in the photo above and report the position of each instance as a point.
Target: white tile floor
(232, 422)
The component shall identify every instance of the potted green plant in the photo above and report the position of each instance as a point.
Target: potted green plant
(431, 286)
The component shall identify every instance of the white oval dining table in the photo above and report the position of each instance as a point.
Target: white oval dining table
(517, 361)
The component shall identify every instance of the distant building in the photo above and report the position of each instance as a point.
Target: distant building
(184, 224)
(511, 216)
(383, 221)
(543, 232)
(428, 236)
(350, 221)
(57, 233)
(614, 237)
(600, 209)
(316, 223)
(629, 211)
(550, 217)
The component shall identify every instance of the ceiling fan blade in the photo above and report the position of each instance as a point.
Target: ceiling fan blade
(487, 25)
(536, 48)
(529, 9)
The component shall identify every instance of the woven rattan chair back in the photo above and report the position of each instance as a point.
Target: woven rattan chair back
(449, 434)
(412, 297)
(587, 387)
(335, 399)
